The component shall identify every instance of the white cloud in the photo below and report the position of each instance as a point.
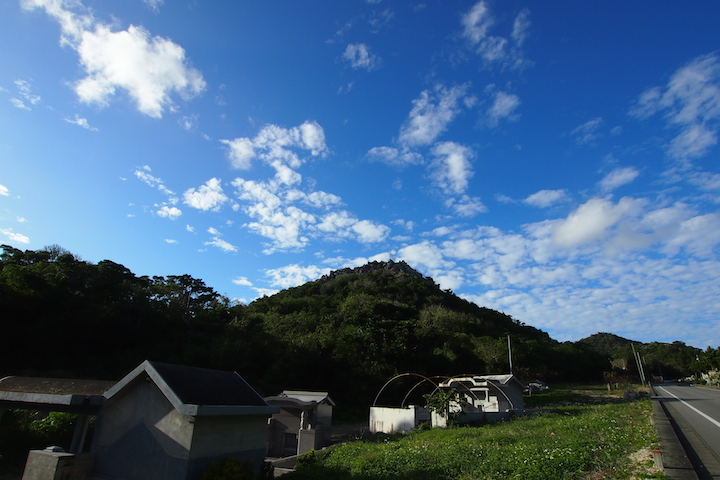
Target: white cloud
(588, 132)
(148, 68)
(503, 107)
(591, 221)
(477, 24)
(359, 56)
(173, 213)
(17, 103)
(370, 232)
(207, 197)
(294, 275)
(145, 176)
(424, 254)
(81, 122)
(618, 178)
(13, 236)
(4, 191)
(465, 205)
(521, 26)
(154, 4)
(25, 91)
(171, 241)
(241, 152)
(431, 114)
(545, 198)
(394, 157)
(222, 245)
(242, 281)
(451, 168)
(273, 145)
(690, 103)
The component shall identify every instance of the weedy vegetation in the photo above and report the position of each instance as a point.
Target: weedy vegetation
(566, 441)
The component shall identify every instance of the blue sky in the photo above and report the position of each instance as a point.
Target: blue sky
(556, 161)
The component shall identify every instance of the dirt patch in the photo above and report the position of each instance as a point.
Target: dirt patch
(643, 464)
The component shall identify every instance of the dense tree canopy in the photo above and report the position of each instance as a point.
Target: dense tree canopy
(346, 333)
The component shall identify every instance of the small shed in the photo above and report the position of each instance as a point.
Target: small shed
(485, 397)
(171, 421)
(303, 423)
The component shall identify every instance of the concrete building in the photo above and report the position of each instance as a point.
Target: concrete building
(160, 421)
(303, 423)
(169, 421)
(485, 398)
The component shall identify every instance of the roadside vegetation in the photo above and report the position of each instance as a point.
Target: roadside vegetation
(603, 438)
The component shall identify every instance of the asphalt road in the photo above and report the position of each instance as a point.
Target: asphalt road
(696, 411)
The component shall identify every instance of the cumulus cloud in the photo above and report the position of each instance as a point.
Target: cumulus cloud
(294, 275)
(173, 213)
(242, 281)
(358, 56)
(150, 69)
(506, 52)
(545, 198)
(618, 178)
(431, 114)
(465, 205)
(592, 220)
(278, 208)
(207, 197)
(275, 146)
(690, 104)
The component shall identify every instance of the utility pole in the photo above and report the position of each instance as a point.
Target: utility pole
(638, 360)
(510, 354)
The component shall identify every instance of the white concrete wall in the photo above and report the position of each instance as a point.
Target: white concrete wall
(389, 420)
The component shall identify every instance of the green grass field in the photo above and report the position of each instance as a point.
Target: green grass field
(571, 440)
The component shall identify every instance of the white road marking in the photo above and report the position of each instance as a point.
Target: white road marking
(715, 422)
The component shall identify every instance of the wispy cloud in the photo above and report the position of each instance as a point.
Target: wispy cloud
(359, 57)
(506, 52)
(690, 103)
(28, 99)
(546, 198)
(14, 236)
(588, 132)
(618, 178)
(431, 114)
(81, 122)
(221, 244)
(504, 106)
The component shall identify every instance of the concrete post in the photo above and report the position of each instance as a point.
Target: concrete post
(81, 427)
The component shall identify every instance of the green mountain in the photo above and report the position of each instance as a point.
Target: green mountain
(348, 332)
(668, 360)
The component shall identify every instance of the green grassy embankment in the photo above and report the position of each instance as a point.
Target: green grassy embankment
(581, 434)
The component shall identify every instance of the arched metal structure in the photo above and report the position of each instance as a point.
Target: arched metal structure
(408, 374)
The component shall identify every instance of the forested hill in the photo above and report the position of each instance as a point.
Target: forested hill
(347, 332)
(669, 360)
